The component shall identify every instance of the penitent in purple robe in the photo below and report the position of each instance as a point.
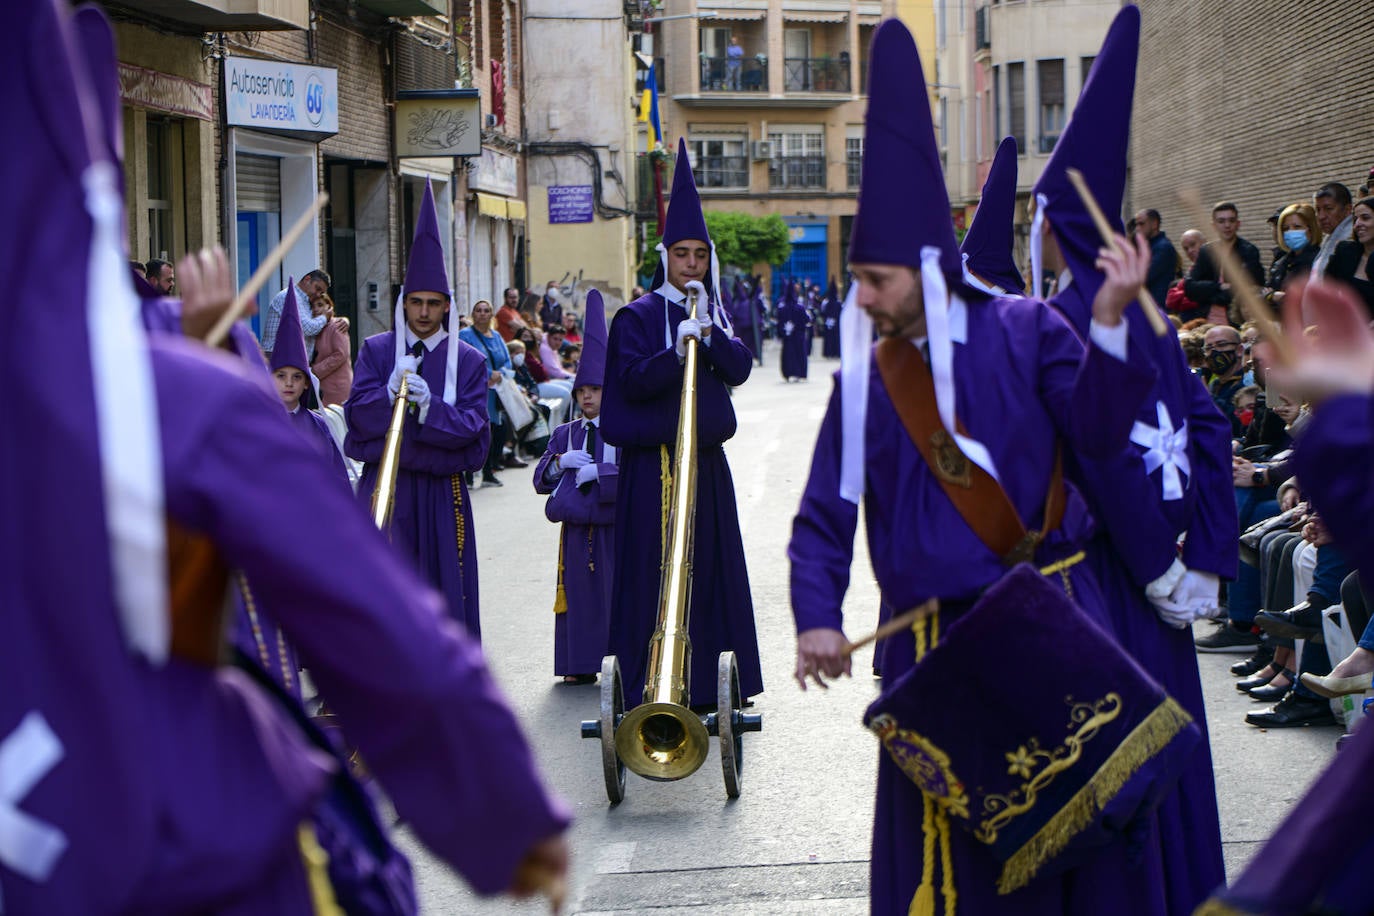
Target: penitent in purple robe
(639, 415)
(1173, 479)
(432, 520)
(794, 329)
(586, 549)
(1045, 389)
(1318, 858)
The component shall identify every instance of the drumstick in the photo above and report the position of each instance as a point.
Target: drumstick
(1242, 287)
(893, 626)
(265, 269)
(1104, 228)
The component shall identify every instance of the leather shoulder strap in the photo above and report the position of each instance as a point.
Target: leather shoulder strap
(979, 499)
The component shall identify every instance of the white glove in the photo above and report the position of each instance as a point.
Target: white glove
(405, 364)
(1199, 590)
(417, 393)
(1191, 596)
(572, 461)
(1164, 586)
(687, 327)
(587, 473)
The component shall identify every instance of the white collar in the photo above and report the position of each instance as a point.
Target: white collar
(595, 421)
(297, 409)
(671, 293)
(430, 342)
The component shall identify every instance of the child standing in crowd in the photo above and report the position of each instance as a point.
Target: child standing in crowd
(579, 474)
(291, 375)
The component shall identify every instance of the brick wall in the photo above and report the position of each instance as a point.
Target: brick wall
(1258, 102)
(363, 112)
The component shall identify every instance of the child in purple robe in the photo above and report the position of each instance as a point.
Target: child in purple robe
(578, 473)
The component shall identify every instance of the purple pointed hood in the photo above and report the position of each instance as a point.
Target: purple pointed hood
(591, 368)
(684, 219)
(903, 205)
(426, 271)
(987, 247)
(1096, 143)
(290, 346)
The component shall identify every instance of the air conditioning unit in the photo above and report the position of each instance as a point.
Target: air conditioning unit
(760, 149)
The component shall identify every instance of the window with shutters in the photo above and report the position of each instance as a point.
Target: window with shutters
(1049, 77)
(1016, 103)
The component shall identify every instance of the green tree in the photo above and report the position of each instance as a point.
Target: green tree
(741, 241)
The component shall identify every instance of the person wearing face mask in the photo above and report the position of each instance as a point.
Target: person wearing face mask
(1299, 236)
(1221, 347)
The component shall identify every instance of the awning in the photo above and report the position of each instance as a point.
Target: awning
(515, 209)
(490, 205)
(735, 15)
(870, 18)
(799, 16)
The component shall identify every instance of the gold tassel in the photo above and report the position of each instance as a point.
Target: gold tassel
(934, 821)
(1145, 741)
(946, 862)
(560, 597)
(460, 528)
(919, 630)
(923, 903)
(316, 864)
(1215, 907)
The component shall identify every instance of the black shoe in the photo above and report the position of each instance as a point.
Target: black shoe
(490, 480)
(1293, 711)
(514, 462)
(1255, 663)
(1276, 689)
(1258, 679)
(1299, 622)
(1226, 638)
(467, 479)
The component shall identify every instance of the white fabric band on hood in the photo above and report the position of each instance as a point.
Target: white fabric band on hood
(127, 427)
(1037, 246)
(856, 355)
(937, 309)
(451, 366)
(991, 289)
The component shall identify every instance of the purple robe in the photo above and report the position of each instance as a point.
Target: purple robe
(586, 551)
(794, 328)
(639, 415)
(162, 314)
(1046, 389)
(830, 328)
(1140, 529)
(1318, 858)
(432, 519)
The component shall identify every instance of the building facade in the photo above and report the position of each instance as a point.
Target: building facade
(775, 127)
(1249, 102)
(1009, 68)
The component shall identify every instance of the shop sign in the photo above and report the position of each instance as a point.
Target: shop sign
(438, 122)
(143, 88)
(495, 172)
(292, 98)
(571, 203)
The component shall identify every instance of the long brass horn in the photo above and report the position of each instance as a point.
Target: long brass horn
(662, 738)
(384, 494)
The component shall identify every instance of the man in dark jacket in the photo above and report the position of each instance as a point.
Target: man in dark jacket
(1163, 257)
(1205, 285)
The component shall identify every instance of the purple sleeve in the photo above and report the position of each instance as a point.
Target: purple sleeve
(376, 641)
(454, 426)
(368, 409)
(1092, 396)
(1215, 527)
(729, 358)
(558, 444)
(822, 545)
(1333, 462)
(607, 481)
(646, 371)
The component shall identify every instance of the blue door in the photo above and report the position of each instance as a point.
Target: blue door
(808, 259)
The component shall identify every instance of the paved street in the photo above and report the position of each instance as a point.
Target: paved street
(797, 839)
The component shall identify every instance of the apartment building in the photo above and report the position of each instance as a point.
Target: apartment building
(1008, 68)
(776, 127)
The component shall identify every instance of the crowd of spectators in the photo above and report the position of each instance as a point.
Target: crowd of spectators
(1297, 608)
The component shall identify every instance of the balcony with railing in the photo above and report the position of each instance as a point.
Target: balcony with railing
(796, 173)
(721, 172)
(241, 15)
(738, 74)
(816, 74)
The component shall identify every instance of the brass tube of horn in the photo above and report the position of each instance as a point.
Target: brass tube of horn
(384, 494)
(662, 738)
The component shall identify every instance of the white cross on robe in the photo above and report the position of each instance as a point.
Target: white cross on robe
(1166, 449)
(28, 846)
(787, 327)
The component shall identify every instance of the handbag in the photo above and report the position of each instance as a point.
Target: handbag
(514, 402)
